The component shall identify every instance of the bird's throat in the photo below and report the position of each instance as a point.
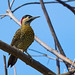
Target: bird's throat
(25, 27)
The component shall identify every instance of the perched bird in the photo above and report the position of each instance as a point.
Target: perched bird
(23, 37)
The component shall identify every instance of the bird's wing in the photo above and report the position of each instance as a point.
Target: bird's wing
(16, 38)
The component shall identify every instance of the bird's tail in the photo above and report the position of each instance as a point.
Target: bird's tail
(12, 60)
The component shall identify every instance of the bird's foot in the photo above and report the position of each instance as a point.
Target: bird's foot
(29, 56)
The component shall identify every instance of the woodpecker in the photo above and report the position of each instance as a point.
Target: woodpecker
(23, 37)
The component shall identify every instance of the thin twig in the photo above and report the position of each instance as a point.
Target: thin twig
(69, 73)
(58, 66)
(11, 3)
(38, 3)
(67, 5)
(57, 61)
(2, 15)
(5, 64)
(36, 51)
(37, 55)
(53, 58)
(46, 56)
(14, 70)
(43, 54)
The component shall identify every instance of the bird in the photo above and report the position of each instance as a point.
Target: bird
(23, 37)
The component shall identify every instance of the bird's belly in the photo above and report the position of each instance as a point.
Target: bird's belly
(24, 44)
(25, 41)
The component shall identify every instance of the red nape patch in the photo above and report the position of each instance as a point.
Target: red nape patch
(21, 20)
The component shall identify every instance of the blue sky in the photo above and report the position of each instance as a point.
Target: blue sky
(63, 21)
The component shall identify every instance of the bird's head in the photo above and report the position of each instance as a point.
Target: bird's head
(27, 19)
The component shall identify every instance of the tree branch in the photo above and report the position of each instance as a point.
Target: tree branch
(68, 73)
(12, 3)
(53, 32)
(9, 4)
(38, 3)
(14, 70)
(66, 5)
(5, 65)
(25, 58)
(2, 15)
(47, 57)
(43, 54)
(58, 66)
(10, 14)
(29, 61)
(57, 61)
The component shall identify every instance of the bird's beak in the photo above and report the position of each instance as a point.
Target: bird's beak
(32, 18)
